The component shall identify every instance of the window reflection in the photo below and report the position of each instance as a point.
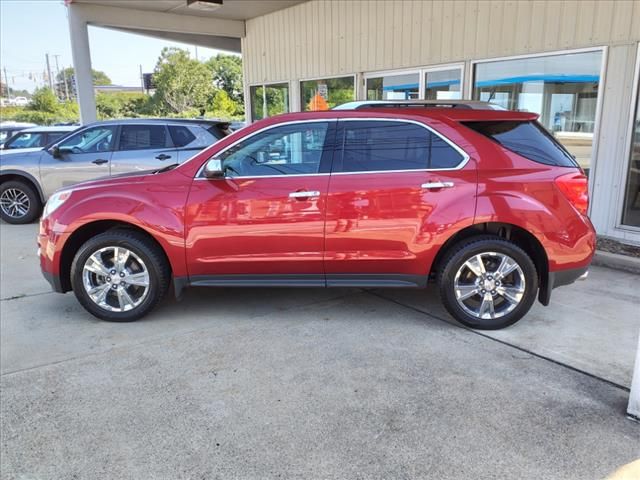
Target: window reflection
(317, 95)
(563, 89)
(394, 87)
(631, 211)
(443, 85)
(269, 100)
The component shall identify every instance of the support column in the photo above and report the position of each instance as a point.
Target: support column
(79, 36)
(633, 409)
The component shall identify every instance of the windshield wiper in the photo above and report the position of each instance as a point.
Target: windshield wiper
(167, 168)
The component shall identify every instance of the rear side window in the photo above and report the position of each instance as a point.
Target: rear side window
(382, 146)
(528, 139)
(142, 137)
(191, 136)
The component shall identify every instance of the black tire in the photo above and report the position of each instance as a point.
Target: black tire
(464, 251)
(34, 208)
(142, 246)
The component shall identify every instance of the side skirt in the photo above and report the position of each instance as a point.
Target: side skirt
(276, 280)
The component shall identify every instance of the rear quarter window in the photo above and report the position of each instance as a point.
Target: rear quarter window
(528, 139)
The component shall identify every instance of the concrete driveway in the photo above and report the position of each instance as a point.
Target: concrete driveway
(276, 383)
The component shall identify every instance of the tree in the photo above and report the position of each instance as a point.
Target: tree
(99, 78)
(182, 83)
(44, 100)
(227, 75)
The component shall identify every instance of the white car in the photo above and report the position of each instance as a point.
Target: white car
(20, 101)
(35, 138)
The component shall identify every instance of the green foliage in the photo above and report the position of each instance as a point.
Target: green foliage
(123, 105)
(227, 75)
(44, 100)
(222, 106)
(182, 83)
(99, 78)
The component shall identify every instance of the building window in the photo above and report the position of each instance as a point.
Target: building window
(269, 100)
(316, 95)
(563, 89)
(443, 84)
(631, 210)
(394, 87)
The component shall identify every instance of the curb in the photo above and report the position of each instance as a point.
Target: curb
(616, 261)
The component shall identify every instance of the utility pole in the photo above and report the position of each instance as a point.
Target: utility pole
(141, 80)
(6, 79)
(58, 90)
(49, 72)
(66, 86)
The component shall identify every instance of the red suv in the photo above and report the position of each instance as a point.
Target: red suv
(483, 202)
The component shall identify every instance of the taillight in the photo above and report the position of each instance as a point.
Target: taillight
(575, 187)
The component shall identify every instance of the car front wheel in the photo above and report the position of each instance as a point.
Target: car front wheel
(488, 283)
(119, 275)
(19, 203)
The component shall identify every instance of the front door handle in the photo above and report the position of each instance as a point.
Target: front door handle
(304, 194)
(436, 185)
(100, 161)
(162, 156)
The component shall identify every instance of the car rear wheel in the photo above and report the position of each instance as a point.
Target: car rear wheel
(19, 203)
(488, 283)
(120, 275)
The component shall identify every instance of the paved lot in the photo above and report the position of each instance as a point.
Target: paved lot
(278, 383)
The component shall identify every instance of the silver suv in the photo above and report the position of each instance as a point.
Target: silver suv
(98, 150)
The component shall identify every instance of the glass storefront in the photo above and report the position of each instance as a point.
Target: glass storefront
(269, 100)
(443, 84)
(324, 94)
(631, 210)
(563, 89)
(394, 87)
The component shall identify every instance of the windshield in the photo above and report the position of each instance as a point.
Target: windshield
(26, 140)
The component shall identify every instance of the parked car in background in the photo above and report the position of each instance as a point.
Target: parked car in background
(484, 202)
(34, 138)
(8, 129)
(20, 101)
(101, 149)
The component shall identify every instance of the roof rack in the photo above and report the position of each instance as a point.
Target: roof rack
(458, 104)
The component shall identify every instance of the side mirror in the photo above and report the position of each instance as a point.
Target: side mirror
(58, 152)
(213, 168)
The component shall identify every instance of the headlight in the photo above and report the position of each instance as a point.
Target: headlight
(55, 201)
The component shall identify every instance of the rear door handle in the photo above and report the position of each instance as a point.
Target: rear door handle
(436, 185)
(162, 156)
(304, 194)
(100, 161)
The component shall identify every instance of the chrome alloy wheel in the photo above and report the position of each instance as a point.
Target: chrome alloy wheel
(115, 279)
(14, 203)
(489, 285)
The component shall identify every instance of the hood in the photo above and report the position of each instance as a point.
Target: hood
(120, 179)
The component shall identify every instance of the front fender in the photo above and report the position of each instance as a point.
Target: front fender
(161, 216)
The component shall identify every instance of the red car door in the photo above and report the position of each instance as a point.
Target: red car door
(397, 191)
(263, 223)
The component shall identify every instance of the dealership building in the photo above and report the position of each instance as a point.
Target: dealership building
(575, 62)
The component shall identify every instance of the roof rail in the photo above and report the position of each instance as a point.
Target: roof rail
(459, 104)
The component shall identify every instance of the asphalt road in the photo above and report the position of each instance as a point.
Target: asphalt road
(277, 383)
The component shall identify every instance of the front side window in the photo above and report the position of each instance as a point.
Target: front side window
(91, 140)
(631, 210)
(285, 150)
(53, 136)
(563, 89)
(269, 100)
(394, 87)
(382, 146)
(143, 137)
(317, 95)
(26, 140)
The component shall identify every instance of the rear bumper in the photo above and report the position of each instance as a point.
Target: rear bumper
(558, 279)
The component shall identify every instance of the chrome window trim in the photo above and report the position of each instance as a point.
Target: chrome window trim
(246, 137)
(460, 166)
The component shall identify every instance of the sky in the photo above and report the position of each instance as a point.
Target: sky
(29, 29)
